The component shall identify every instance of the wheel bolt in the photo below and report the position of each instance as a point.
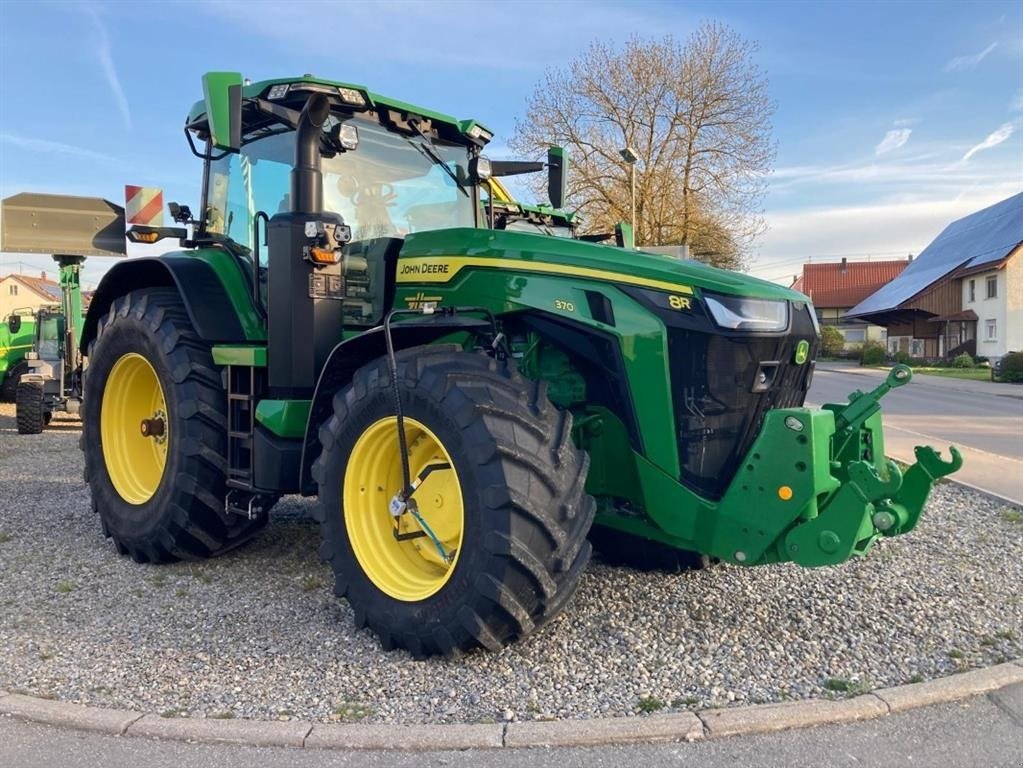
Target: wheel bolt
(152, 427)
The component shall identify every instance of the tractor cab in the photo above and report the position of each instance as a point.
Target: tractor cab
(49, 339)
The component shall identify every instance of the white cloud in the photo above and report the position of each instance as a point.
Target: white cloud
(993, 140)
(886, 229)
(1016, 102)
(970, 62)
(893, 140)
(44, 146)
(106, 62)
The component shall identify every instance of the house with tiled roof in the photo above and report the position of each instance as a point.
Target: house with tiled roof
(836, 287)
(29, 292)
(963, 293)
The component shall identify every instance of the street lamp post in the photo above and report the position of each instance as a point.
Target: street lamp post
(629, 156)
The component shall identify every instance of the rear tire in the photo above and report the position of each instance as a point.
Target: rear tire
(618, 548)
(30, 413)
(175, 511)
(522, 545)
(9, 389)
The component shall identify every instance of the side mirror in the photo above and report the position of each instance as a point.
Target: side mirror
(223, 94)
(557, 175)
(14, 323)
(624, 236)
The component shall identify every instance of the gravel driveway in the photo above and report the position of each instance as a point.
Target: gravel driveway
(258, 632)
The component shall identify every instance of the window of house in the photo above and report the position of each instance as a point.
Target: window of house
(992, 330)
(855, 335)
(973, 290)
(992, 287)
(13, 290)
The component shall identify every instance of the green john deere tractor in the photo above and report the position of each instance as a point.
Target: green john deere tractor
(70, 228)
(464, 402)
(16, 334)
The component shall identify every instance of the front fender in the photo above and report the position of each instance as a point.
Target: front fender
(350, 355)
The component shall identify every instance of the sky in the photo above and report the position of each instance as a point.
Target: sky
(892, 119)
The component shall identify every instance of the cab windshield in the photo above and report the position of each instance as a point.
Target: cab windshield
(387, 187)
(49, 333)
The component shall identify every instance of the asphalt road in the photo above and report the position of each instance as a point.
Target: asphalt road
(983, 731)
(982, 419)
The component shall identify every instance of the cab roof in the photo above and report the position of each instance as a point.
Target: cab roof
(467, 127)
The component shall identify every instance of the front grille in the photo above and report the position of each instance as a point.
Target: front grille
(718, 409)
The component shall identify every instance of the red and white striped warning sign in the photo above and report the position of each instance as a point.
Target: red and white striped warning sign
(143, 205)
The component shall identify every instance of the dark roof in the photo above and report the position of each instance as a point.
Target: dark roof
(984, 237)
(41, 285)
(845, 284)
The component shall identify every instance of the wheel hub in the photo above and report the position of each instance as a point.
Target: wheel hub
(406, 544)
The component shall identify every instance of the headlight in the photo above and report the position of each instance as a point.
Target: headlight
(746, 314)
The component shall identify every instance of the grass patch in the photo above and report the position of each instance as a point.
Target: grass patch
(202, 576)
(1012, 516)
(223, 715)
(5, 537)
(955, 653)
(158, 580)
(844, 685)
(970, 374)
(685, 701)
(181, 592)
(65, 587)
(311, 583)
(917, 678)
(1006, 634)
(350, 711)
(173, 712)
(650, 704)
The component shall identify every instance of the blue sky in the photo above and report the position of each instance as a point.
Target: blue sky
(892, 118)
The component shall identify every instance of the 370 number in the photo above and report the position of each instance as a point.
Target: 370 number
(566, 306)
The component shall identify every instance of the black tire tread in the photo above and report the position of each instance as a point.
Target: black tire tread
(9, 389)
(30, 414)
(491, 403)
(197, 525)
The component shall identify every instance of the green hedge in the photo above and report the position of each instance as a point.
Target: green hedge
(872, 353)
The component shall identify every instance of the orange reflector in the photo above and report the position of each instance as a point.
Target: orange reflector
(145, 237)
(784, 493)
(324, 255)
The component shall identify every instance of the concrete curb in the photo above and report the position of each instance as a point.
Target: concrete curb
(952, 688)
(764, 718)
(682, 726)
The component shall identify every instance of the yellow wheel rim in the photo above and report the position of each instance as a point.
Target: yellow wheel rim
(133, 395)
(412, 569)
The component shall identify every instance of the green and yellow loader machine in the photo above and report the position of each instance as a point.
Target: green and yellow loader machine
(17, 333)
(70, 229)
(471, 406)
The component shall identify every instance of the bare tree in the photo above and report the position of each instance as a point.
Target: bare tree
(697, 114)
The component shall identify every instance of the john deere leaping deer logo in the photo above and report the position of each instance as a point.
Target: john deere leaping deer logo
(419, 300)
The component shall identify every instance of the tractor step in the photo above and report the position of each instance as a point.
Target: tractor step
(243, 388)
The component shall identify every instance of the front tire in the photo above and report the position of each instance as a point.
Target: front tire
(30, 411)
(160, 496)
(9, 389)
(505, 497)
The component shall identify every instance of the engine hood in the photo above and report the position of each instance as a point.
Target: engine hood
(579, 257)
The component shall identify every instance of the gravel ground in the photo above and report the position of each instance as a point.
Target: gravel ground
(258, 633)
